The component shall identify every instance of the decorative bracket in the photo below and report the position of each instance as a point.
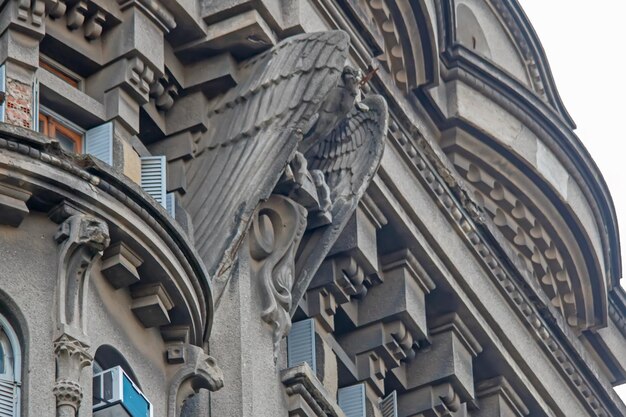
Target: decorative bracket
(81, 239)
(199, 372)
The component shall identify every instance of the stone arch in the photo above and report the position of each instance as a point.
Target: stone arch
(471, 34)
(11, 365)
(410, 52)
(108, 357)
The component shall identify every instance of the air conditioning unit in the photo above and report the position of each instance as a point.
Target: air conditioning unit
(115, 395)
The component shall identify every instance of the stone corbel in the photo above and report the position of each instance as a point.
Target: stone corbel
(119, 265)
(338, 280)
(76, 15)
(198, 372)
(56, 8)
(93, 26)
(275, 234)
(439, 400)
(496, 398)
(151, 304)
(452, 340)
(81, 239)
(13, 205)
(377, 349)
(401, 295)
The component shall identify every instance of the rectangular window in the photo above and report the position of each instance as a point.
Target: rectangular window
(69, 138)
(62, 74)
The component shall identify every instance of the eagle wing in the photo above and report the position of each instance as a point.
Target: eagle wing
(348, 157)
(253, 132)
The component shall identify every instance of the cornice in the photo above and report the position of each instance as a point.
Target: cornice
(463, 65)
(31, 144)
(550, 331)
(617, 308)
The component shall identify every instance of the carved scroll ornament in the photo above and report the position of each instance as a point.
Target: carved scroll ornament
(274, 238)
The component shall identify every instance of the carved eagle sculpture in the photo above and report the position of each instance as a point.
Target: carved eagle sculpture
(348, 157)
(255, 130)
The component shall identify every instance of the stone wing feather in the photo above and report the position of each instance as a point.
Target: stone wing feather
(344, 156)
(253, 132)
(349, 157)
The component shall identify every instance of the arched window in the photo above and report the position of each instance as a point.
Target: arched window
(10, 370)
(115, 386)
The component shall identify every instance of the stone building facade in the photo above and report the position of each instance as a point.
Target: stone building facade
(349, 208)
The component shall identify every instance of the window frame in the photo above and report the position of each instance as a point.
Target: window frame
(51, 122)
(16, 350)
(60, 72)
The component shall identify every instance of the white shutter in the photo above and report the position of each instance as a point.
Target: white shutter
(389, 405)
(3, 87)
(170, 204)
(352, 400)
(99, 142)
(8, 398)
(153, 177)
(35, 107)
(301, 344)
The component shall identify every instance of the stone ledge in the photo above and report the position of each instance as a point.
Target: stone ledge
(307, 395)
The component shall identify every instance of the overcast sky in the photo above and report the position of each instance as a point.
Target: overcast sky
(584, 42)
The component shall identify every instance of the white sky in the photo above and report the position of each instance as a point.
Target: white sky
(584, 42)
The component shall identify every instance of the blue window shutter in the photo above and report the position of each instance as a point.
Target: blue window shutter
(35, 107)
(3, 87)
(389, 405)
(153, 177)
(170, 204)
(8, 398)
(352, 400)
(99, 142)
(301, 344)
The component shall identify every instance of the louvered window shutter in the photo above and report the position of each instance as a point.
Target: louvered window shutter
(352, 400)
(8, 398)
(389, 405)
(170, 204)
(99, 142)
(301, 344)
(3, 87)
(153, 177)
(35, 107)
